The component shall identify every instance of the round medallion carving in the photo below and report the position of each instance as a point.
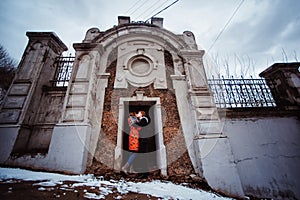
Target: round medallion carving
(140, 66)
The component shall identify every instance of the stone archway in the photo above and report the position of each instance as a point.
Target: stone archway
(160, 153)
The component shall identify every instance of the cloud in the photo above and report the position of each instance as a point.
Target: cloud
(277, 26)
(260, 29)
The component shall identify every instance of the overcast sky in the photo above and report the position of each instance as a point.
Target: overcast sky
(260, 33)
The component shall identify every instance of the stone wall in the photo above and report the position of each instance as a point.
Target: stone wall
(35, 138)
(267, 154)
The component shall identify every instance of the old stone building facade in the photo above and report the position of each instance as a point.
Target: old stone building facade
(81, 126)
(133, 65)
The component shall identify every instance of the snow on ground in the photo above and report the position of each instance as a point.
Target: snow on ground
(157, 188)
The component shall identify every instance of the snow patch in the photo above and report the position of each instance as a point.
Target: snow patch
(27, 175)
(48, 183)
(165, 190)
(42, 189)
(170, 190)
(93, 196)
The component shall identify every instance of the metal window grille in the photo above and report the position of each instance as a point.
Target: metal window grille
(64, 67)
(238, 93)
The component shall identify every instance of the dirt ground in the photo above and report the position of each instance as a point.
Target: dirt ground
(26, 190)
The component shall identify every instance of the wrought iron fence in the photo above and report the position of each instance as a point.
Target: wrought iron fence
(64, 67)
(227, 92)
(238, 93)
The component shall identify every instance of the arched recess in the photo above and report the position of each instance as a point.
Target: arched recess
(155, 34)
(142, 34)
(112, 38)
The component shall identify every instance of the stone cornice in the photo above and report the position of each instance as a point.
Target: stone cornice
(178, 77)
(147, 29)
(84, 46)
(191, 53)
(280, 67)
(33, 36)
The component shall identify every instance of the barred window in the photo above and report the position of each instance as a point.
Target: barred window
(64, 67)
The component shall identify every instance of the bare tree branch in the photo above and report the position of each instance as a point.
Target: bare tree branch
(284, 56)
(7, 68)
(295, 56)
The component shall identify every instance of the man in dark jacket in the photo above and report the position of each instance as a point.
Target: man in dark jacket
(143, 120)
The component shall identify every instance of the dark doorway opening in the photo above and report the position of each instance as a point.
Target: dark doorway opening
(146, 159)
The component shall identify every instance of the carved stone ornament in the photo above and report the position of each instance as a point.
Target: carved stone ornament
(140, 67)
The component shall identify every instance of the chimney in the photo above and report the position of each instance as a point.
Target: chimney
(123, 20)
(157, 21)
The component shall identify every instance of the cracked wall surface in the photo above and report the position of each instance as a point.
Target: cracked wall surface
(267, 154)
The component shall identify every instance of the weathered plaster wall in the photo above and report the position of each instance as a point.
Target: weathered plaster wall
(67, 151)
(267, 154)
(38, 137)
(219, 169)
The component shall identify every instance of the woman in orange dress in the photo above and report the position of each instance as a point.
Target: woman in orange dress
(135, 121)
(134, 134)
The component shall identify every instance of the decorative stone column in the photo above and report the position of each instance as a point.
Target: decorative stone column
(77, 123)
(206, 113)
(35, 70)
(212, 150)
(82, 80)
(187, 119)
(283, 80)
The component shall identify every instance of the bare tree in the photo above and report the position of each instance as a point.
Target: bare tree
(7, 71)
(233, 67)
(236, 66)
(7, 68)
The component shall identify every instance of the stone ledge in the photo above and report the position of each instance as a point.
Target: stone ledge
(49, 89)
(259, 112)
(209, 136)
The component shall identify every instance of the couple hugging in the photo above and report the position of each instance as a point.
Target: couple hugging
(135, 121)
(139, 118)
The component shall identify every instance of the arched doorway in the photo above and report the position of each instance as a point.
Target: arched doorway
(146, 157)
(152, 154)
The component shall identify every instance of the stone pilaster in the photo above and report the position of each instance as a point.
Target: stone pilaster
(206, 113)
(210, 146)
(96, 114)
(195, 69)
(84, 96)
(80, 92)
(187, 119)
